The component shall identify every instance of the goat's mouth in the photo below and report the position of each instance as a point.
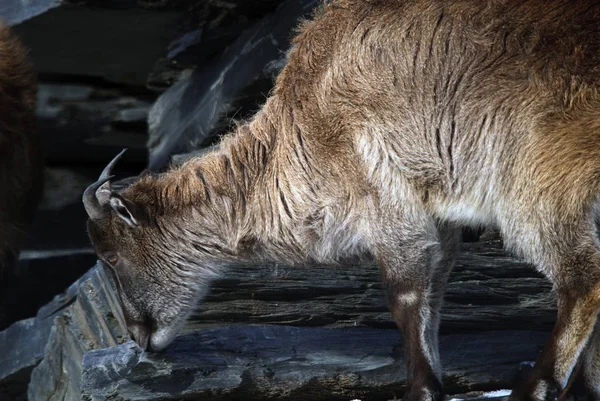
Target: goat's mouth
(151, 340)
(161, 338)
(141, 334)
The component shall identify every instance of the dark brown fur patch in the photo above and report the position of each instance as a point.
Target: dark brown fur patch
(20, 154)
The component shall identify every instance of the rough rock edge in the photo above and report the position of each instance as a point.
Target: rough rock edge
(85, 317)
(185, 114)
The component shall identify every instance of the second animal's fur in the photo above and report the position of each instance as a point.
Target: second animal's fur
(21, 164)
(393, 123)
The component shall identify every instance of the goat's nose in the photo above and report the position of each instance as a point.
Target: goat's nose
(141, 334)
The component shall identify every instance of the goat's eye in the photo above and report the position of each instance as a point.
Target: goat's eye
(112, 259)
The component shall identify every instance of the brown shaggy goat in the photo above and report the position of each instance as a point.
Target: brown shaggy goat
(21, 164)
(393, 123)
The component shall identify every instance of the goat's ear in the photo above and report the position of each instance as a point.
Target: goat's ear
(126, 210)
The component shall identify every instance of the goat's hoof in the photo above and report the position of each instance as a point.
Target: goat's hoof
(425, 392)
(534, 390)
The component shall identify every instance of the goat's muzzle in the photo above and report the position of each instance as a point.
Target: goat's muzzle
(141, 334)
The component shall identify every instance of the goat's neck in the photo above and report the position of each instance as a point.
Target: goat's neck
(266, 193)
(243, 193)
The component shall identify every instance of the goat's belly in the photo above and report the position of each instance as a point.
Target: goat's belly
(468, 212)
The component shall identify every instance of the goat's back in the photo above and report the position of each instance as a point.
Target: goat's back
(461, 104)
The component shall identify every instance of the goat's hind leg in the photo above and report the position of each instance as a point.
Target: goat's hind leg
(415, 261)
(570, 255)
(588, 373)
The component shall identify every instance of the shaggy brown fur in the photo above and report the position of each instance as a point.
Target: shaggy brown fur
(393, 123)
(20, 158)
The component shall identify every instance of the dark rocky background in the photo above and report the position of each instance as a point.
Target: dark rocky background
(164, 78)
(104, 66)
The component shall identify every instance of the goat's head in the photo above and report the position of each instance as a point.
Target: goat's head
(159, 276)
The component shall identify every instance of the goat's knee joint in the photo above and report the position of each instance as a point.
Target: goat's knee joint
(408, 298)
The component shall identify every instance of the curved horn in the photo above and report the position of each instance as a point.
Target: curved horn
(92, 200)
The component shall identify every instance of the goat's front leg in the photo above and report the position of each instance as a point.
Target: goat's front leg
(415, 261)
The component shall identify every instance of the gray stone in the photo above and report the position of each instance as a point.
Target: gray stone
(41, 357)
(185, 115)
(296, 363)
(94, 39)
(90, 123)
(63, 187)
(234, 48)
(91, 320)
(97, 41)
(16, 11)
(42, 274)
(488, 290)
(22, 348)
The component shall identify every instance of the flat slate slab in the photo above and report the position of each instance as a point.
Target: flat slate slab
(297, 363)
(488, 290)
